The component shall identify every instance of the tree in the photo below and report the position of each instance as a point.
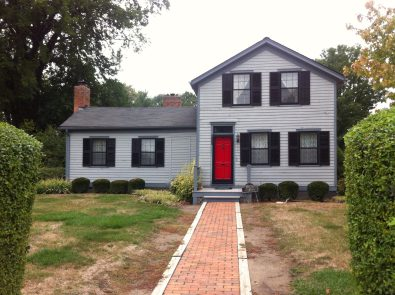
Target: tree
(377, 58)
(355, 98)
(47, 46)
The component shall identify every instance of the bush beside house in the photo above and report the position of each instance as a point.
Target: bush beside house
(80, 185)
(317, 190)
(370, 194)
(119, 187)
(268, 192)
(288, 190)
(136, 183)
(182, 184)
(53, 186)
(101, 186)
(20, 156)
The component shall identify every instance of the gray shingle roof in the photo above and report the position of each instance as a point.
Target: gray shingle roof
(132, 118)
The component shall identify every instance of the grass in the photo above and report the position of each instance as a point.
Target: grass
(56, 257)
(314, 236)
(338, 282)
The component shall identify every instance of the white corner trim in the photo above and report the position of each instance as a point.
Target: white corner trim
(175, 259)
(244, 274)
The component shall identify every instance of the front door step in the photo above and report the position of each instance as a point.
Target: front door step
(220, 198)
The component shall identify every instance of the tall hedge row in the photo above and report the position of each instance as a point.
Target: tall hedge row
(20, 157)
(370, 194)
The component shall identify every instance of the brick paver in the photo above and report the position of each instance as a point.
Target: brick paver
(209, 264)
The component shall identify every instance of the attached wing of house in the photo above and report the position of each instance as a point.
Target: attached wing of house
(267, 114)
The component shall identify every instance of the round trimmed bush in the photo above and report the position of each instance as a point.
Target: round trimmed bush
(317, 190)
(119, 187)
(268, 192)
(101, 186)
(136, 183)
(288, 190)
(80, 185)
(20, 157)
(370, 195)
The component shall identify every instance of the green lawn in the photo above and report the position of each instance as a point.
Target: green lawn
(77, 231)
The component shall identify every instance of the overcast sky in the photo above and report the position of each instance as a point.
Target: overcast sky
(195, 35)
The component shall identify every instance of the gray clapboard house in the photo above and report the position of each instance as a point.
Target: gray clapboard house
(267, 114)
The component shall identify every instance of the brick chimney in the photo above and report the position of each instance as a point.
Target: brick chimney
(172, 100)
(82, 96)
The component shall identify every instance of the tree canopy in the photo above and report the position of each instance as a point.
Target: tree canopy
(377, 58)
(47, 46)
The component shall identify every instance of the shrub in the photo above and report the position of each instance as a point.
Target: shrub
(136, 183)
(51, 172)
(101, 186)
(341, 187)
(317, 190)
(53, 186)
(288, 190)
(370, 195)
(20, 158)
(80, 185)
(267, 192)
(119, 187)
(157, 197)
(182, 184)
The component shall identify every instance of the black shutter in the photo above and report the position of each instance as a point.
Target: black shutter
(304, 87)
(110, 152)
(245, 149)
(274, 148)
(324, 147)
(136, 149)
(275, 88)
(160, 152)
(227, 90)
(293, 148)
(256, 92)
(86, 152)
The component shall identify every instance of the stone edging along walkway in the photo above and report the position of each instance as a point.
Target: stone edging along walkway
(212, 257)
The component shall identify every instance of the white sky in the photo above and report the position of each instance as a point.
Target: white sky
(195, 35)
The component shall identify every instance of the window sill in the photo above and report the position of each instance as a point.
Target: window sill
(98, 166)
(240, 106)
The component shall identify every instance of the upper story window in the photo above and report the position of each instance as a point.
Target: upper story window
(289, 88)
(241, 89)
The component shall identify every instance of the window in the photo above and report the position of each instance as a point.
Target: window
(241, 89)
(259, 148)
(147, 152)
(289, 88)
(223, 129)
(99, 147)
(308, 148)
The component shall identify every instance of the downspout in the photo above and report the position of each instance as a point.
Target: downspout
(67, 160)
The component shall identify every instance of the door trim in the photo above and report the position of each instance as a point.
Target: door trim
(213, 180)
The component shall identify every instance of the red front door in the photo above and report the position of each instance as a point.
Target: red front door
(222, 159)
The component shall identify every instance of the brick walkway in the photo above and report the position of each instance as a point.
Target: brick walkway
(209, 264)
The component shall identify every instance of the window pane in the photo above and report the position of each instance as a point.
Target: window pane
(241, 81)
(308, 140)
(308, 156)
(147, 159)
(99, 159)
(259, 156)
(99, 145)
(289, 80)
(148, 145)
(241, 96)
(259, 141)
(289, 95)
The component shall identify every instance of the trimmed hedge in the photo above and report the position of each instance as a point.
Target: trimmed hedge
(370, 195)
(317, 190)
(101, 186)
(51, 172)
(268, 192)
(80, 185)
(288, 190)
(119, 187)
(53, 186)
(20, 158)
(136, 183)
